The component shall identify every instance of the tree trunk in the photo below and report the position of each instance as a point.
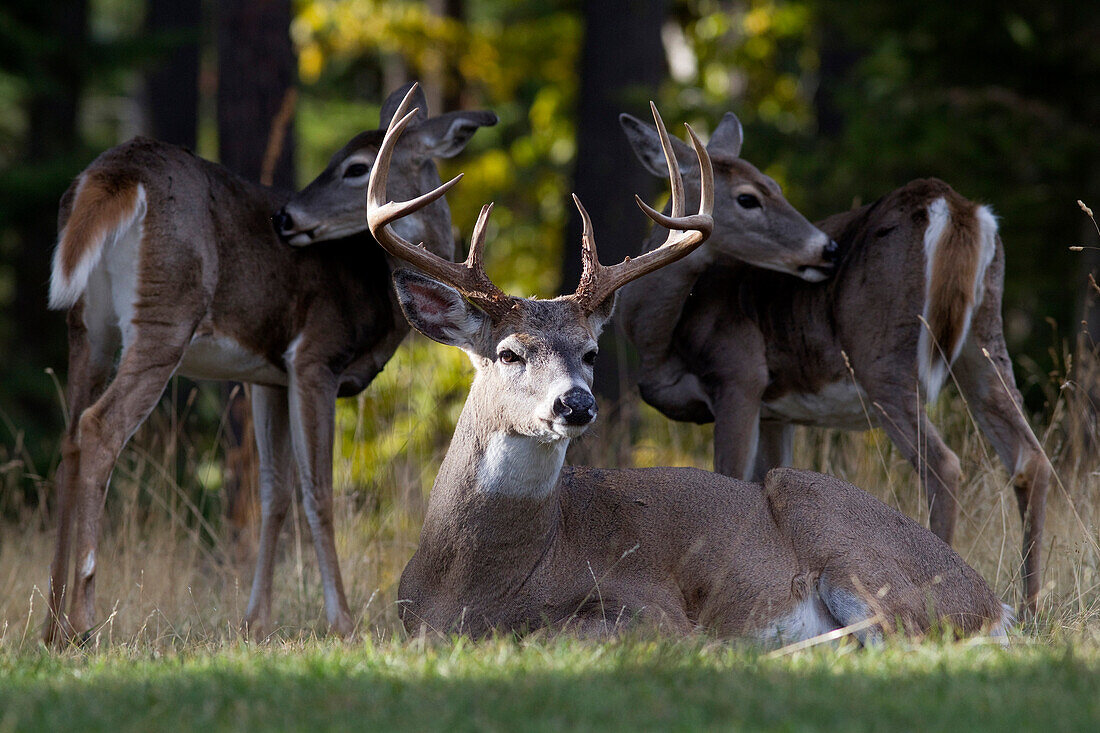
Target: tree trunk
(33, 339)
(172, 89)
(622, 64)
(257, 69)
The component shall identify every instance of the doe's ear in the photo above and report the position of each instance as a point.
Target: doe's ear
(446, 136)
(419, 101)
(438, 311)
(599, 317)
(647, 146)
(728, 136)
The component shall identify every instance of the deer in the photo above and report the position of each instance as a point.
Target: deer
(756, 346)
(182, 267)
(515, 541)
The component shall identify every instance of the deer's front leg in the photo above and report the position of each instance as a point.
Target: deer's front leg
(312, 403)
(271, 412)
(737, 424)
(774, 449)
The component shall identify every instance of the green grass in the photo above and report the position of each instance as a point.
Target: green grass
(554, 685)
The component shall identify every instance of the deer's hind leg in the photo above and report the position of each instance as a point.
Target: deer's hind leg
(91, 357)
(989, 387)
(901, 414)
(156, 338)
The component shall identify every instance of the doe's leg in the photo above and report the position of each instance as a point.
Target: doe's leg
(270, 410)
(91, 353)
(104, 428)
(908, 427)
(990, 389)
(312, 407)
(774, 449)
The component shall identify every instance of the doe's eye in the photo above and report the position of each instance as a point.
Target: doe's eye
(355, 170)
(590, 357)
(509, 357)
(748, 201)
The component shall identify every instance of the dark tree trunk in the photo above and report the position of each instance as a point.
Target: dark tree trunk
(257, 70)
(837, 61)
(34, 338)
(172, 89)
(622, 64)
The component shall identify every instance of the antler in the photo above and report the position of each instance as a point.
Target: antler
(686, 232)
(467, 277)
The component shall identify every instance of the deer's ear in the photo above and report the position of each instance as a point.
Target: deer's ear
(439, 312)
(419, 101)
(446, 136)
(647, 146)
(728, 136)
(599, 317)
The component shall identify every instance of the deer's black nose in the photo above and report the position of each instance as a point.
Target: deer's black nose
(282, 221)
(831, 253)
(576, 407)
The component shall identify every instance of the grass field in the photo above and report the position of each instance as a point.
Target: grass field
(172, 589)
(554, 685)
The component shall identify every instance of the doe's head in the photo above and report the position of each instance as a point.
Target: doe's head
(333, 205)
(753, 222)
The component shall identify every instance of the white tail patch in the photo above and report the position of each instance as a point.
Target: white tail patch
(932, 362)
(1000, 629)
(66, 288)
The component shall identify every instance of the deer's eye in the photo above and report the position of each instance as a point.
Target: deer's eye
(509, 357)
(590, 357)
(355, 170)
(748, 201)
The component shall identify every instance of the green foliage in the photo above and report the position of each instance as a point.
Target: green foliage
(523, 70)
(521, 63)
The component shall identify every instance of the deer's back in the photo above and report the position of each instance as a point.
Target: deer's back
(205, 223)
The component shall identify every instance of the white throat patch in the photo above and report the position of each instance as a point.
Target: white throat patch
(520, 466)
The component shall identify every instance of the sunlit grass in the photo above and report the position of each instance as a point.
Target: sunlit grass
(552, 684)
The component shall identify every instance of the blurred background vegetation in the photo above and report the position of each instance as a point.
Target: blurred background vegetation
(842, 101)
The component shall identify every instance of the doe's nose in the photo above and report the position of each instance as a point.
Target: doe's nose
(576, 407)
(282, 221)
(831, 253)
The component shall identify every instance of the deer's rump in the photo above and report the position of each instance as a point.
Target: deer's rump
(860, 545)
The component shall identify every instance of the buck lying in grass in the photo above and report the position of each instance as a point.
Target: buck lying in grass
(514, 541)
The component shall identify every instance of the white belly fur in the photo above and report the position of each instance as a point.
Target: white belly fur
(211, 356)
(836, 405)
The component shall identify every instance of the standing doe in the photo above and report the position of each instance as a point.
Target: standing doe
(916, 298)
(174, 260)
(513, 540)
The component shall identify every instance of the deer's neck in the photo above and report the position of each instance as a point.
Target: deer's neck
(650, 308)
(495, 487)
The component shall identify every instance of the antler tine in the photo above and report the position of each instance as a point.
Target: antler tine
(477, 239)
(467, 277)
(675, 179)
(590, 259)
(686, 232)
